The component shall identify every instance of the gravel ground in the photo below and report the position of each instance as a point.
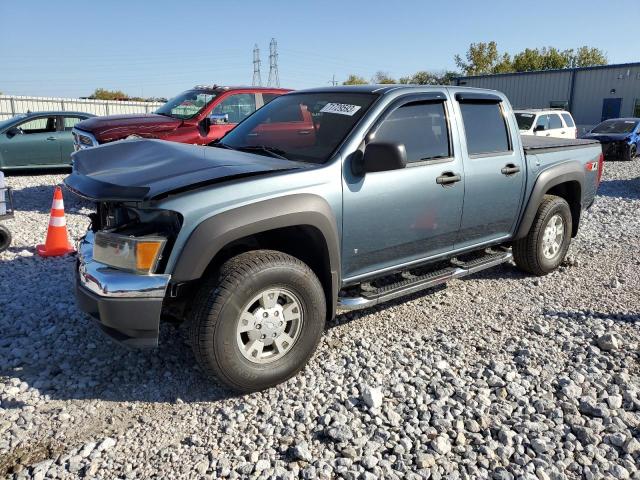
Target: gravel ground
(496, 376)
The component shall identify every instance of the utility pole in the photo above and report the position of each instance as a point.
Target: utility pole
(257, 81)
(274, 78)
(333, 80)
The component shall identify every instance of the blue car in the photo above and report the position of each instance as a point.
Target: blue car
(620, 138)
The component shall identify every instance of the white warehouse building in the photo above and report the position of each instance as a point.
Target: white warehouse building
(591, 94)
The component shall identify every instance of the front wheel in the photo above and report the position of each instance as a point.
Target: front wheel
(547, 242)
(258, 320)
(633, 152)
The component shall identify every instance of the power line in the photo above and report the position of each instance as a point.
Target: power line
(333, 80)
(257, 80)
(274, 78)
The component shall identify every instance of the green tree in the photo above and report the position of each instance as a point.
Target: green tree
(354, 80)
(382, 78)
(586, 57)
(483, 58)
(104, 94)
(430, 78)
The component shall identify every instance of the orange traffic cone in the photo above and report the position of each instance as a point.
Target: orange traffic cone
(57, 242)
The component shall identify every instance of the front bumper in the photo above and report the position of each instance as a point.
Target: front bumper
(126, 305)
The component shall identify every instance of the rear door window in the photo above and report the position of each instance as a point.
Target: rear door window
(267, 97)
(421, 127)
(485, 128)
(70, 122)
(554, 121)
(568, 120)
(543, 121)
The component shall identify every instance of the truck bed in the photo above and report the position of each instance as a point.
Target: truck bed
(532, 144)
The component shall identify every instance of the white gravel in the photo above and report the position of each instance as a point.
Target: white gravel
(497, 376)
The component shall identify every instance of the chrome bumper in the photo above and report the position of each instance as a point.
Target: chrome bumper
(106, 281)
(82, 140)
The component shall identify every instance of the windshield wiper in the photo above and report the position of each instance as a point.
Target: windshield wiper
(271, 151)
(164, 114)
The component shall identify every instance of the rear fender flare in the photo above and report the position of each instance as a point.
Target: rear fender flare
(549, 178)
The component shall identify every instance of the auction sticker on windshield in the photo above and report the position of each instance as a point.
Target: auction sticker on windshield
(340, 108)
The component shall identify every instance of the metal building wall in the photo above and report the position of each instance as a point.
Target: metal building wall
(533, 90)
(591, 86)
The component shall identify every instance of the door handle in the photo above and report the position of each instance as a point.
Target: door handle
(303, 132)
(563, 132)
(448, 178)
(510, 169)
(252, 134)
(51, 138)
(548, 135)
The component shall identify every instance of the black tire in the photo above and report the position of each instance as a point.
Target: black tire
(633, 152)
(220, 302)
(528, 251)
(5, 238)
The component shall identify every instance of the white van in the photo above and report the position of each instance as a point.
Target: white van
(546, 123)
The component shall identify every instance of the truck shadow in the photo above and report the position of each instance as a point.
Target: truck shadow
(53, 348)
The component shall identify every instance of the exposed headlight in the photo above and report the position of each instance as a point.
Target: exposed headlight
(135, 254)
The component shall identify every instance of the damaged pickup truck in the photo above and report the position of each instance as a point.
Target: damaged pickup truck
(325, 199)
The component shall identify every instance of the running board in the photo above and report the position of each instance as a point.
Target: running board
(371, 296)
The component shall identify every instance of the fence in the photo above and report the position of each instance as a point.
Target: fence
(11, 105)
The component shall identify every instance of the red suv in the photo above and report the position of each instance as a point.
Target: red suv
(199, 116)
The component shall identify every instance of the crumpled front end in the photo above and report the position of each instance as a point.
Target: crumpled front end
(126, 305)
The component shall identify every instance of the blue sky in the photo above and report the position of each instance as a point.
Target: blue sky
(158, 48)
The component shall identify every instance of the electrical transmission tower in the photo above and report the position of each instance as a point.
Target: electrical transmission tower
(274, 79)
(257, 80)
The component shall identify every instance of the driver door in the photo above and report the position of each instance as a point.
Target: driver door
(397, 217)
(36, 144)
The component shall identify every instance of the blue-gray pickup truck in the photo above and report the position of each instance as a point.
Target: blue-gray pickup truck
(324, 199)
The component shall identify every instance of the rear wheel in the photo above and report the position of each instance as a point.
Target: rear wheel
(258, 320)
(547, 242)
(5, 238)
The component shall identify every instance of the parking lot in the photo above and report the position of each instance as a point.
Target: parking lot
(498, 375)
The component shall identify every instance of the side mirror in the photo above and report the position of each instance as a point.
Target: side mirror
(380, 157)
(538, 128)
(219, 118)
(13, 131)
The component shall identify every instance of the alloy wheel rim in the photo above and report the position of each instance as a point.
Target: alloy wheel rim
(553, 237)
(269, 325)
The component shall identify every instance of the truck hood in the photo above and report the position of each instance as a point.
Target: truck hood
(141, 170)
(116, 127)
(607, 137)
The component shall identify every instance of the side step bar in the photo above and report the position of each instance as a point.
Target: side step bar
(371, 296)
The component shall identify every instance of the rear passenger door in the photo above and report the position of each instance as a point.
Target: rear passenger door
(556, 129)
(494, 169)
(400, 216)
(65, 138)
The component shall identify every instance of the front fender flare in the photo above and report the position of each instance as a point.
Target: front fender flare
(214, 233)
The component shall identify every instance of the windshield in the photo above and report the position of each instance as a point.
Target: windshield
(525, 120)
(306, 127)
(9, 121)
(186, 105)
(615, 126)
